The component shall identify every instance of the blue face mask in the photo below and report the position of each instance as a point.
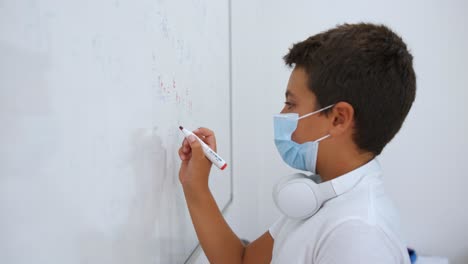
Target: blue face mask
(299, 156)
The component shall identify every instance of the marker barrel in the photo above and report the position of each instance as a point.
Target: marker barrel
(213, 156)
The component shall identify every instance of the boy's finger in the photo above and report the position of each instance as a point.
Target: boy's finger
(182, 155)
(186, 149)
(206, 132)
(185, 146)
(186, 143)
(207, 136)
(196, 147)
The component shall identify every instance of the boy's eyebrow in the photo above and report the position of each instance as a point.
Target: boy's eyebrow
(288, 94)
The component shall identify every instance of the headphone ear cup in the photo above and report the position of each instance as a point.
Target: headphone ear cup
(297, 196)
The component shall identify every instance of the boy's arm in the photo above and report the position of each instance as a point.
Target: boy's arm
(218, 241)
(260, 250)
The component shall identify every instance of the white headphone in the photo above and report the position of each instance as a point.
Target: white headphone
(299, 196)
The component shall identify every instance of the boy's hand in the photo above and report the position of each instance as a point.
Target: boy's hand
(195, 167)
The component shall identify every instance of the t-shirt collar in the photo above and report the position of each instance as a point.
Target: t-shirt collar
(349, 180)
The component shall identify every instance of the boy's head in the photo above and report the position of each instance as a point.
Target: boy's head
(366, 70)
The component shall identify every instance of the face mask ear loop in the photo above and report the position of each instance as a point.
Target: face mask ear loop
(315, 112)
(322, 138)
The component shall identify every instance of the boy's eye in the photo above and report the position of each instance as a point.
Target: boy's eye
(288, 104)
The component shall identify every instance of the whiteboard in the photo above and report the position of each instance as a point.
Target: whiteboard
(91, 97)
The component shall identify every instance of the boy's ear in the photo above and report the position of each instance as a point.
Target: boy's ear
(342, 118)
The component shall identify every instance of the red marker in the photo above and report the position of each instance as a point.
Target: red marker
(209, 153)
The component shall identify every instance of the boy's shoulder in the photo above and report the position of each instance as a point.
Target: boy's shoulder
(365, 212)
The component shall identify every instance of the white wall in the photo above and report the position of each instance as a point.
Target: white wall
(425, 168)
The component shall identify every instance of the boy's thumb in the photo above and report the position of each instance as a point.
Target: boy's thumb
(195, 145)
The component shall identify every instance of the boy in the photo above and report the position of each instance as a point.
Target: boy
(349, 92)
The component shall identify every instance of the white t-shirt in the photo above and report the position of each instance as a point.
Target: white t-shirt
(359, 226)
